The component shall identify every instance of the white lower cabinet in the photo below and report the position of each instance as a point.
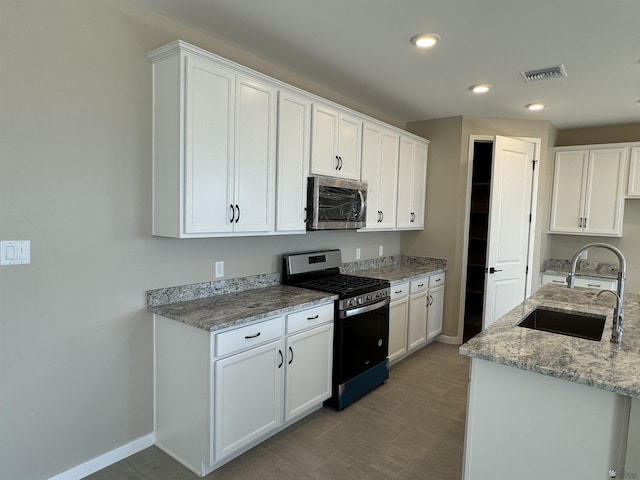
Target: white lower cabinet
(247, 397)
(417, 328)
(435, 306)
(398, 318)
(308, 370)
(599, 283)
(219, 394)
(425, 314)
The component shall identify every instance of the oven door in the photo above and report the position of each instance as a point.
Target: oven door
(361, 340)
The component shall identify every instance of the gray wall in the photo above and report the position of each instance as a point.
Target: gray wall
(75, 179)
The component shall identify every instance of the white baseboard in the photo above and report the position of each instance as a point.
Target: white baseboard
(109, 458)
(448, 339)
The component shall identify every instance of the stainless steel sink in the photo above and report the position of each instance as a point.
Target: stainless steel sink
(573, 324)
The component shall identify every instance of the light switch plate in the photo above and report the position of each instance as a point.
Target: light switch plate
(15, 252)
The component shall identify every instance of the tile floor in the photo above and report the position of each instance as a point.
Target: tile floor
(412, 427)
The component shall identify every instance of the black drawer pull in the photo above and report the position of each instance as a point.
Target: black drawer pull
(247, 337)
(313, 318)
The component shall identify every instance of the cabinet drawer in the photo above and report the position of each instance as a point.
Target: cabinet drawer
(602, 284)
(554, 279)
(249, 336)
(419, 285)
(309, 318)
(399, 291)
(436, 280)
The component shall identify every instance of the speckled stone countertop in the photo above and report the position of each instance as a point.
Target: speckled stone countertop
(227, 303)
(584, 268)
(597, 364)
(397, 269)
(228, 310)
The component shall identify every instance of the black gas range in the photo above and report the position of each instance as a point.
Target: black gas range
(361, 329)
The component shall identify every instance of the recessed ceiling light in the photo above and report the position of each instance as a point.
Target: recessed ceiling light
(480, 88)
(425, 40)
(536, 106)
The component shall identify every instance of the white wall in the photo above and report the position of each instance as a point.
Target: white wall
(75, 179)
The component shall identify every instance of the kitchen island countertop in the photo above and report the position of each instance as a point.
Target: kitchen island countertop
(598, 364)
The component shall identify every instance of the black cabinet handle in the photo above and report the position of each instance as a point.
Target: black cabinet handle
(281, 358)
(315, 317)
(238, 215)
(381, 215)
(337, 162)
(291, 352)
(247, 337)
(232, 213)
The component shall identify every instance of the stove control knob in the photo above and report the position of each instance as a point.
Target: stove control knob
(378, 294)
(352, 302)
(360, 301)
(369, 298)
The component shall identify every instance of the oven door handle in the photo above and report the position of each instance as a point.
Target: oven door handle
(365, 309)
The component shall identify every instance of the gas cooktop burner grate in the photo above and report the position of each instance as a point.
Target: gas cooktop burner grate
(343, 284)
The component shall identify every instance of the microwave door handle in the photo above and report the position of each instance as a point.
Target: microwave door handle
(362, 205)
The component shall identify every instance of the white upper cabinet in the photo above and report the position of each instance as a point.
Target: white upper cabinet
(587, 194)
(634, 173)
(335, 142)
(412, 178)
(232, 151)
(380, 171)
(213, 147)
(294, 147)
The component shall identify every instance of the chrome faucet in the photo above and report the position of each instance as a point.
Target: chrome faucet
(618, 313)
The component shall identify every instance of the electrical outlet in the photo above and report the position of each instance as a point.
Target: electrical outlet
(219, 269)
(583, 255)
(357, 254)
(380, 250)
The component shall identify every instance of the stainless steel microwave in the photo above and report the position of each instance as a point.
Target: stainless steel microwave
(335, 203)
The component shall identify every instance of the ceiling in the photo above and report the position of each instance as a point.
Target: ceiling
(362, 49)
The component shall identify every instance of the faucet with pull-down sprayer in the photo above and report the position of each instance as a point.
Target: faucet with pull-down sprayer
(618, 313)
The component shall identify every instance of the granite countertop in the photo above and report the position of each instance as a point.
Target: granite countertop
(406, 269)
(584, 268)
(231, 309)
(598, 364)
(227, 303)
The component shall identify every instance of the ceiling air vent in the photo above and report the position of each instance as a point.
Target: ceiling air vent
(544, 73)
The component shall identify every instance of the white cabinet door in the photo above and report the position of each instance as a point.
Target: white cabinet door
(349, 146)
(208, 166)
(435, 312)
(634, 173)
(214, 148)
(309, 358)
(567, 197)
(604, 200)
(398, 319)
(248, 397)
(380, 171)
(417, 328)
(335, 143)
(412, 177)
(294, 120)
(255, 134)
(587, 195)
(388, 179)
